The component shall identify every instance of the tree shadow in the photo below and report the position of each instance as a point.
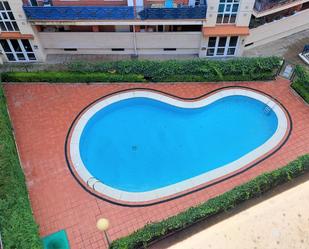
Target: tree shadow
(200, 226)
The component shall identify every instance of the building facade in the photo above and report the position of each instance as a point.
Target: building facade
(33, 29)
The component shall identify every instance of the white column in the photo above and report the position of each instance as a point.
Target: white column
(191, 2)
(244, 12)
(139, 3)
(26, 28)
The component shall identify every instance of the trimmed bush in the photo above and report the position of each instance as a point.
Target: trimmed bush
(261, 184)
(241, 69)
(301, 82)
(17, 226)
(67, 77)
(201, 69)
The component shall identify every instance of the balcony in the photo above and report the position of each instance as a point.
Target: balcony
(79, 13)
(267, 7)
(277, 29)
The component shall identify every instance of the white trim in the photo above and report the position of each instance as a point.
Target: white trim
(228, 12)
(304, 58)
(106, 190)
(226, 47)
(23, 51)
(112, 22)
(8, 19)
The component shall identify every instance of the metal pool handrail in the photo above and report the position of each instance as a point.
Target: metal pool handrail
(93, 184)
(268, 108)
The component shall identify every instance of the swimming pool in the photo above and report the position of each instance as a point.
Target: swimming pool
(139, 146)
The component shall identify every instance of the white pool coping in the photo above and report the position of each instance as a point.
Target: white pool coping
(125, 196)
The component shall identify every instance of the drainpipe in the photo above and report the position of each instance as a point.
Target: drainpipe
(134, 41)
(1, 245)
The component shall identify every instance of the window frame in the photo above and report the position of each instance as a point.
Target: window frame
(17, 54)
(7, 18)
(213, 50)
(226, 12)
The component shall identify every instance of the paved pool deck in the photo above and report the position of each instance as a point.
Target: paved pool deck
(41, 116)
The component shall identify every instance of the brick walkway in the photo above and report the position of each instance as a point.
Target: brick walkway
(42, 114)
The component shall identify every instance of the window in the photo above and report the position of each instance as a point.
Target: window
(227, 11)
(33, 2)
(70, 49)
(18, 50)
(222, 46)
(7, 20)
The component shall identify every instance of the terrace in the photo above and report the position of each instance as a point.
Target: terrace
(267, 7)
(60, 200)
(149, 12)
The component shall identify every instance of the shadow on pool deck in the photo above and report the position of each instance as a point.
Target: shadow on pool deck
(207, 224)
(288, 47)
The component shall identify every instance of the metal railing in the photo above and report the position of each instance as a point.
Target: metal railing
(151, 12)
(264, 5)
(91, 182)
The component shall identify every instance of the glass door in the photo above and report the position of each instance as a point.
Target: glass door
(18, 50)
(222, 46)
(33, 2)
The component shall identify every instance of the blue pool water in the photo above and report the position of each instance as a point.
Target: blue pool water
(140, 144)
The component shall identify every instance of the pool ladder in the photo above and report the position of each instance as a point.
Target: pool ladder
(268, 109)
(91, 182)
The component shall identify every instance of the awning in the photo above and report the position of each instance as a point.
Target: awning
(15, 35)
(226, 30)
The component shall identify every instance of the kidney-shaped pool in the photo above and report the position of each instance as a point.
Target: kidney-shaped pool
(138, 145)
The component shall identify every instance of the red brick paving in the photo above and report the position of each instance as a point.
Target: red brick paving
(42, 114)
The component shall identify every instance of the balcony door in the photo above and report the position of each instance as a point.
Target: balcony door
(18, 50)
(222, 46)
(33, 2)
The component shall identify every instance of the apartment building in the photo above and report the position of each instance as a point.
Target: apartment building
(31, 30)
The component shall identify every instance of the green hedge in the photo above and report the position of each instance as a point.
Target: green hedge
(224, 202)
(201, 69)
(301, 82)
(51, 76)
(241, 69)
(17, 226)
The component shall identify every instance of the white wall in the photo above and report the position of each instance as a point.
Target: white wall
(278, 29)
(244, 12)
(212, 11)
(243, 16)
(25, 28)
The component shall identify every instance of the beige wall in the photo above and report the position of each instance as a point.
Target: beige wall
(278, 29)
(169, 40)
(152, 43)
(85, 40)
